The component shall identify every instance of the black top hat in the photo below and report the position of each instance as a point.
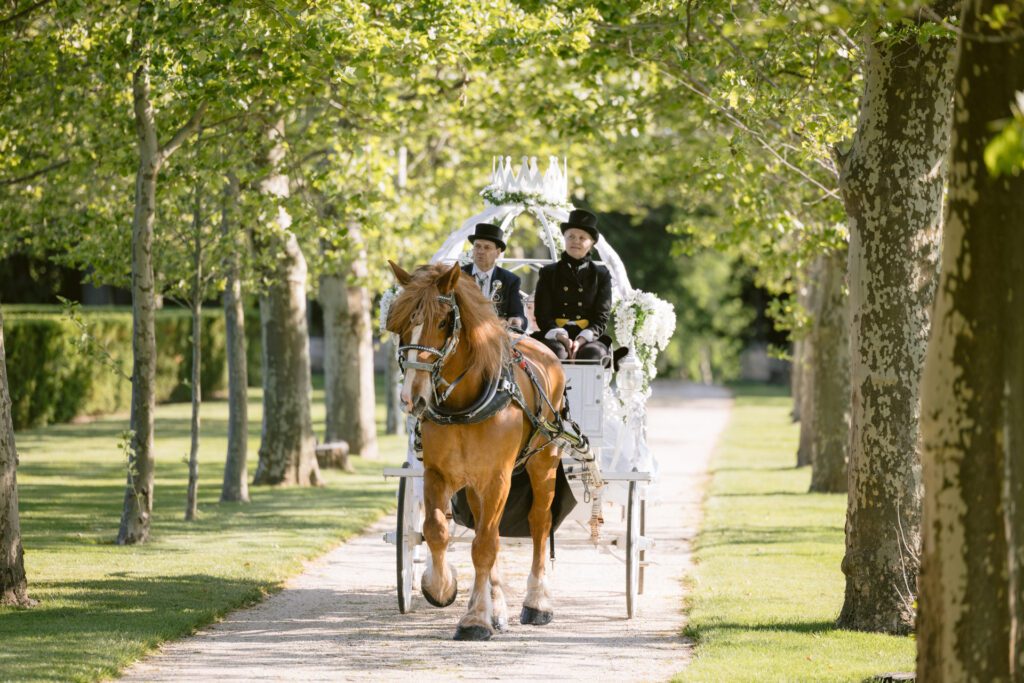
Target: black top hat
(581, 219)
(488, 231)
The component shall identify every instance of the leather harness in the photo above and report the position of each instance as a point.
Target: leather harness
(502, 390)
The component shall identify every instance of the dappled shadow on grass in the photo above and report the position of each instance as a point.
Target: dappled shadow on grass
(166, 428)
(107, 622)
(811, 627)
(756, 535)
(807, 627)
(56, 516)
(103, 605)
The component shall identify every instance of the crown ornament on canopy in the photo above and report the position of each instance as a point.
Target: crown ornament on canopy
(528, 185)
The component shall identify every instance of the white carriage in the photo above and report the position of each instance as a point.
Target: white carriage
(608, 405)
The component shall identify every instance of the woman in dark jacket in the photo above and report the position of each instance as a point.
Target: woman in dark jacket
(574, 295)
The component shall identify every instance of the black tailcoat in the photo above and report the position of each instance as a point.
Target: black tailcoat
(507, 301)
(575, 290)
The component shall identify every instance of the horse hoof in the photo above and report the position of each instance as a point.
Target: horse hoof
(437, 603)
(472, 633)
(536, 617)
(500, 625)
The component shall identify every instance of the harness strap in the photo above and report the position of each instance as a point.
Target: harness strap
(502, 390)
(495, 398)
(552, 431)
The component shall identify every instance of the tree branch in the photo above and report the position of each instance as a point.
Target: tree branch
(183, 133)
(647, 26)
(27, 10)
(738, 123)
(25, 178)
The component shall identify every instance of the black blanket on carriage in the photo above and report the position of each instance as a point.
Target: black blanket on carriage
(515, 521)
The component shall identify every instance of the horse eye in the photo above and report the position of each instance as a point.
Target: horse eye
(441, 325)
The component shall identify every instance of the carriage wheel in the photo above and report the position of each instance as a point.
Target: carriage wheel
(633, 532)
(407, 537)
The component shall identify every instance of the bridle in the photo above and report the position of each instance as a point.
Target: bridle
(441, 355)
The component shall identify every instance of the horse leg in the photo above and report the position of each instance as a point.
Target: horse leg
(499, 607)
(537, 603)
(476, 623)
(439, 585)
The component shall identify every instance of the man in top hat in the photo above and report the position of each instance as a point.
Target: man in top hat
(497, 284)
(574, 295)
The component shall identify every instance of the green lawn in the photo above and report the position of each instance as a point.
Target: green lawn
(103, 606)
(768, 586)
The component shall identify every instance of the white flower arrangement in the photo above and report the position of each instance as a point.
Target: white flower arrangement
(386, 299)
(497, 196)
(645, 323)
(555, 233)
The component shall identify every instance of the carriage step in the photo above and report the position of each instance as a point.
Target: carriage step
(392, 537)
(646, 542)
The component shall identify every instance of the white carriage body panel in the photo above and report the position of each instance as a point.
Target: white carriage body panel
(585, 384)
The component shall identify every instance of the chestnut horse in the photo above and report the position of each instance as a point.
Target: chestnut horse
(453, 347)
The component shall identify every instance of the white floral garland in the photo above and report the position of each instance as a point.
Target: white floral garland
(645, 323)
(495, 196)
(386, 299)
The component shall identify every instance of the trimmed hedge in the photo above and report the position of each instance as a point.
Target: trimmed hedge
(51, 380)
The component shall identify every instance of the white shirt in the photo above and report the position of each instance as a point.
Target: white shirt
(485, 285)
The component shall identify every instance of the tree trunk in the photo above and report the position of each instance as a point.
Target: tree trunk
(807, 298)
(348, 355)
(235, 487)
(891, 182)
(795, 368)
(970, 612)
(191, 502)
(13, 583)
(831, 378)
(287, 446)
(394, 420)
(1014, 423)
(138, 497)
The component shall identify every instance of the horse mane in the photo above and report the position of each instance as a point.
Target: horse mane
(483, 336)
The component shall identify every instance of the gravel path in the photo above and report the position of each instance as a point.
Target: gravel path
(339, 620)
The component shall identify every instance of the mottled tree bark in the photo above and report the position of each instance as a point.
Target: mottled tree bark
(13, 583)
(235, 487)
(348, 354)
(138, 495)
(394, 419)
(795, 368)
(891, 181)
(192, 495)
(287, 446)
(1014, 428)
(970, 612)
(807, 299)
(831, 377)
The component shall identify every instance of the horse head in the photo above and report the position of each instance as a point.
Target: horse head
(425, 317)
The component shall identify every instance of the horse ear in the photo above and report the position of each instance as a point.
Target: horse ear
(400, 275)
(446, 282)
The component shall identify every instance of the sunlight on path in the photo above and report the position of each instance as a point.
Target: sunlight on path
(340, 621)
